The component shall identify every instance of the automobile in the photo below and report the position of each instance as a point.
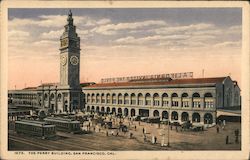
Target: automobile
(175, 123)
(144, 119)
(136, 118)
(186, 125)
(123, 127)
(108, 124)
(153, 120)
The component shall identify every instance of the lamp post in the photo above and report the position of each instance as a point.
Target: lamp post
(168, 145)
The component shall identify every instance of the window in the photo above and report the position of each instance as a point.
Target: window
(156, 100)
(126, 99)
(196, 104)
(113, 99)
(140, 99)
(108, 98)
(148, 99)
(185, 104)
(175, 103)
(120, 99)
(133, 99)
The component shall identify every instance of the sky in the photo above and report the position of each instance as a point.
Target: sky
(125, 42)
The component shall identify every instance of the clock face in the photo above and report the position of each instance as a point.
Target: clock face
(63, 60)
(64, 42)
(74, 60)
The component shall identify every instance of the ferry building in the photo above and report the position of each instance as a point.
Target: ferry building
(178, 99)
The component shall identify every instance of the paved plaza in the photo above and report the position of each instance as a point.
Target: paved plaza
(101, 138)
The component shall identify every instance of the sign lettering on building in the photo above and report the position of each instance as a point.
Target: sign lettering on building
(158, 76)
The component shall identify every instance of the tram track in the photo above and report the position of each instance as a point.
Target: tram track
(32, 143)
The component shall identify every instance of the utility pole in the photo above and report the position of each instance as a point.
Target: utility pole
(168, 145)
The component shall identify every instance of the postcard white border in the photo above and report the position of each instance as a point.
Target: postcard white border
(243, 154)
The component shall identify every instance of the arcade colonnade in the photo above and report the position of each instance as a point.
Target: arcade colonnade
(196, 107)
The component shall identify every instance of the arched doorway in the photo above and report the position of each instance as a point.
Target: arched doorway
(119, 111)
(165, 114)
(132, 112)
(102, 109)
(108, 110)
(208, 118)
(156, 113)
(196, 117)
(88, 109)
(125, 112)
(97, 109)
(92, 109)
(174, 115)
(113, 111)
(184, 117)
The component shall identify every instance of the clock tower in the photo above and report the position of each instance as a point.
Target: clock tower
(70, 55)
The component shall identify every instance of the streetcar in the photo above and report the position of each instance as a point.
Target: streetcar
(64, 124)
(35, 128)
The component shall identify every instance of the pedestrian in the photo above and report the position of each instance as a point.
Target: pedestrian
(130, 135)
(135, 127)
(218, 129)
(117, 133)
(155, 140)
(143, 130)
(227, 140)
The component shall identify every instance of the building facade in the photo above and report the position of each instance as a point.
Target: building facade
(195, 99)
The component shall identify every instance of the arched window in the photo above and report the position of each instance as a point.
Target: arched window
(98, 98)
(102, 98)
(93, 98)
(45, 96)
(184, 116)
(185, 100)
(174, 115)
(196, 117)
(148, 99)
(140, 99)
(174, 95)
(59, 97)
(208, 118)
(165, 99)
(184, 95)
(156, 113)
(126, 98)
(119, 98)
(196, 95)
(209, 100)
(196, 100)
(108, 98)
(52, 96)
(156, 99)
(133, 99)
(113, 98)
(88, 97)
(175, 100)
